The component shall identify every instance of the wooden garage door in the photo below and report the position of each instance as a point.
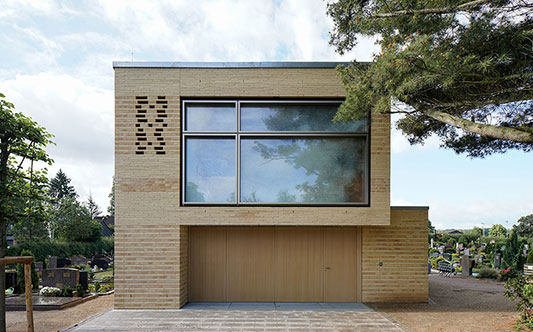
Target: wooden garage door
(282, 264)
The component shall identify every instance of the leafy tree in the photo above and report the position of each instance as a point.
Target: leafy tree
(498, 230)
(459, 69)
(20, 273)
(512, 255)
(72, 222)
(477, 232)
(21, 140)
(431, 231)
(525, 225)
(111, 207)
(94, 209)
(60, 187)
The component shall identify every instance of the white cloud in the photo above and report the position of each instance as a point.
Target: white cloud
(81, 118)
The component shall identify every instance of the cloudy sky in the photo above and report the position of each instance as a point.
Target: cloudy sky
(57, 67)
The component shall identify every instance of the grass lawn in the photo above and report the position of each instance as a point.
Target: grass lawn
(100, 275)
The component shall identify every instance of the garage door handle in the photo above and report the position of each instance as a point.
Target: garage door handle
(327, 268)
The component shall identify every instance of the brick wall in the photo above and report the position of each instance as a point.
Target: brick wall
(151, 227)
(402, 247)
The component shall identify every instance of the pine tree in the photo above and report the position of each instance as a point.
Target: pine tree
(459, 69)
(512, 255)
(60, 188)
(93, 208)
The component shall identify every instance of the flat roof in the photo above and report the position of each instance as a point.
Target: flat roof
(262, 64)
(395, 207)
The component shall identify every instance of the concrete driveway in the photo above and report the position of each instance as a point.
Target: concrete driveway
(279, 317)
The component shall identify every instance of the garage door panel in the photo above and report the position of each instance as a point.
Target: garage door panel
(207, 264)
(340, 260)
(250, 264)
(299, 264)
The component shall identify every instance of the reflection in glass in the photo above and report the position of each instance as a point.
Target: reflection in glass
(210, 117)
(306, 170)
(210, 169)
(294, 117)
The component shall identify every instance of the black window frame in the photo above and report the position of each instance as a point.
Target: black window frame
(238, 133)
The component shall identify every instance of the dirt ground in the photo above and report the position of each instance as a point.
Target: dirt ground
(457, 304)
(56, 320)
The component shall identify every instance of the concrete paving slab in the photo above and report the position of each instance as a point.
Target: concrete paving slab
(207, 306)
(252, 306)
(208, 320)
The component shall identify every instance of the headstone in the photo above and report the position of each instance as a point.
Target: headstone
(63, 262)
(431, 243)
(11, 279)
(467, 252)
(61, 277)
(497, 260)
(447, 256)
(466, 266)
(460, 246)
(39, 266)
(84, 279)
(52, 262)
(78, 260)
(441, 250)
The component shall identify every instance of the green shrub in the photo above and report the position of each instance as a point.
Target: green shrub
(530, 257)
(43, 249)
(520, 290)
(107, 278)
(433, 250)
(68, 292)
(450, 250)
(435, 261)
(487, 273)
(21, 283)
(80, 290)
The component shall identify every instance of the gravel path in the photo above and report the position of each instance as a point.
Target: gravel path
(457, 304)
(56, 320)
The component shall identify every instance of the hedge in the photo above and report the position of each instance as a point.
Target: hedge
(43, 249)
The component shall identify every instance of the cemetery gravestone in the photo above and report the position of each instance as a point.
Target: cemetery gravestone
(52, 262)
(466, 266)
(39, 266)
(447, 256)
(63, 262)
(78, 260)
(61, 278)
(497, 260)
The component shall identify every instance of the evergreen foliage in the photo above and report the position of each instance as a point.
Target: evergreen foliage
(460, 69)
(21, 283)
(512, 255)
(60, 187)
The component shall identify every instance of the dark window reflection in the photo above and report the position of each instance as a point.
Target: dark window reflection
(210, 170)
(294, 117)
(310, 170)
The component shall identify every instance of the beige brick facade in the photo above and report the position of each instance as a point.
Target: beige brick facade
(152, 227)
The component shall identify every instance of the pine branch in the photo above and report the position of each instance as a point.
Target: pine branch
(516, 134)
(431, 10)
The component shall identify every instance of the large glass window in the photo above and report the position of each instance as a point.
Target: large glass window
(272, 153)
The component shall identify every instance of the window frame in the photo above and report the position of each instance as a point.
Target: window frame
(238, 133)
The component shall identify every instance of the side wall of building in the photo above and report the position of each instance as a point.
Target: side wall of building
(402, 249)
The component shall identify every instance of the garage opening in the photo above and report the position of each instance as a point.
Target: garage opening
(274, 264)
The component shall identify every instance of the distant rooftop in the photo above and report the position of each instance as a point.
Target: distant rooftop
(264, 64)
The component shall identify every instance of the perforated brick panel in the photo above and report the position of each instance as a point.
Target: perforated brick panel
(151, 116)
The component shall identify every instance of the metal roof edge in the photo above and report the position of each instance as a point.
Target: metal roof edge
(263, 64)
(409, 207)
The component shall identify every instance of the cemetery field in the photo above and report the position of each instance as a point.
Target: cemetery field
(457, 304)
(56, 320)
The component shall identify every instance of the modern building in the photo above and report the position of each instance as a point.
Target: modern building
(233, 184)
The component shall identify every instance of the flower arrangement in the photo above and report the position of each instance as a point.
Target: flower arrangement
(508, 273)
(50, 291)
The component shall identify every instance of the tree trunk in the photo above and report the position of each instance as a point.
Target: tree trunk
(2, 274)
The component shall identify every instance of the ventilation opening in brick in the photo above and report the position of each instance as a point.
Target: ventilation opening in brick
(139, 152)
(153, 113)
(141, 97)
(160, 152)
(141, 111)
(161, 97)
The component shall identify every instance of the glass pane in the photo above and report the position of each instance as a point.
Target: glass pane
(311, 170)
(294, 117)
(210, 170)
(210, 117)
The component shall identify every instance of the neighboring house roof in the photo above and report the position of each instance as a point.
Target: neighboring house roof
(106, 222)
